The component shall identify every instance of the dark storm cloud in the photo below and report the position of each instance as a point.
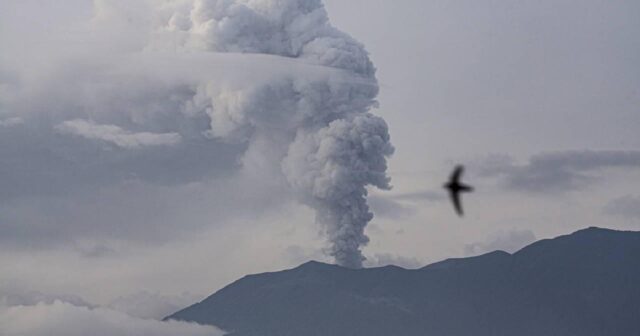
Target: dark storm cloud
(56, 188)
(559, 171)
(131, 211)
(39, 162)
(626, 206)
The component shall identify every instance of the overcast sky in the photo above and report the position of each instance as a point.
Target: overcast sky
(123, 185)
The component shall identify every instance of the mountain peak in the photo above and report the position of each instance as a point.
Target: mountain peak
(595, 229)
(313, 264)
(551, 287)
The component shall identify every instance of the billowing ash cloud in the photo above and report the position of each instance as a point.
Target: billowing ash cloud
(314, 129)
(331, 167)
(177, 90)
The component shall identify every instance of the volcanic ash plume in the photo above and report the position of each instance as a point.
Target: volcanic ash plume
(332, 166)
(307, 119)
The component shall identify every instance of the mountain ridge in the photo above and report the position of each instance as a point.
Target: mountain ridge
(582, 283)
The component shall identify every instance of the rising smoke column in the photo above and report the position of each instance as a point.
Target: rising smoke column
(332, 166)
(314, 129)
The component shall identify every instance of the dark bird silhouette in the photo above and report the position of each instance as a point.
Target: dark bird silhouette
(455, 187)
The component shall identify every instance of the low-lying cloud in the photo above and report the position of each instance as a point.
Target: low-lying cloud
(386, 259)
(149, 305)
(65, 319)
(13, 296)
(508, 241)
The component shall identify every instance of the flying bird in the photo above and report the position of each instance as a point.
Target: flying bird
(455, 187)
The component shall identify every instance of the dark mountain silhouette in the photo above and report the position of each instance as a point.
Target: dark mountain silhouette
(586, 283)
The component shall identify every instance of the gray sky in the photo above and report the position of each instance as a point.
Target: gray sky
(110, 192)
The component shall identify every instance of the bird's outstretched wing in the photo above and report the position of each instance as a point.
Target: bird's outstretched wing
(457, 173)
(465, 188)
(455, 198)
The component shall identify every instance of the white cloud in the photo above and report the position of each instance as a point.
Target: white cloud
(152, 305)
(64, 319)
(386, 259)
(116, 135)
(503, 240)
(17, 296)
(14, 121)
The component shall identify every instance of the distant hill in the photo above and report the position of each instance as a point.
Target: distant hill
(586, 283)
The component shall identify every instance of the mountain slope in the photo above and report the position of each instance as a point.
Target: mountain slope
(586, 283)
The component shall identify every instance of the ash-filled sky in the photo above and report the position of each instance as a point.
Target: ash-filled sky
(151, 152)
